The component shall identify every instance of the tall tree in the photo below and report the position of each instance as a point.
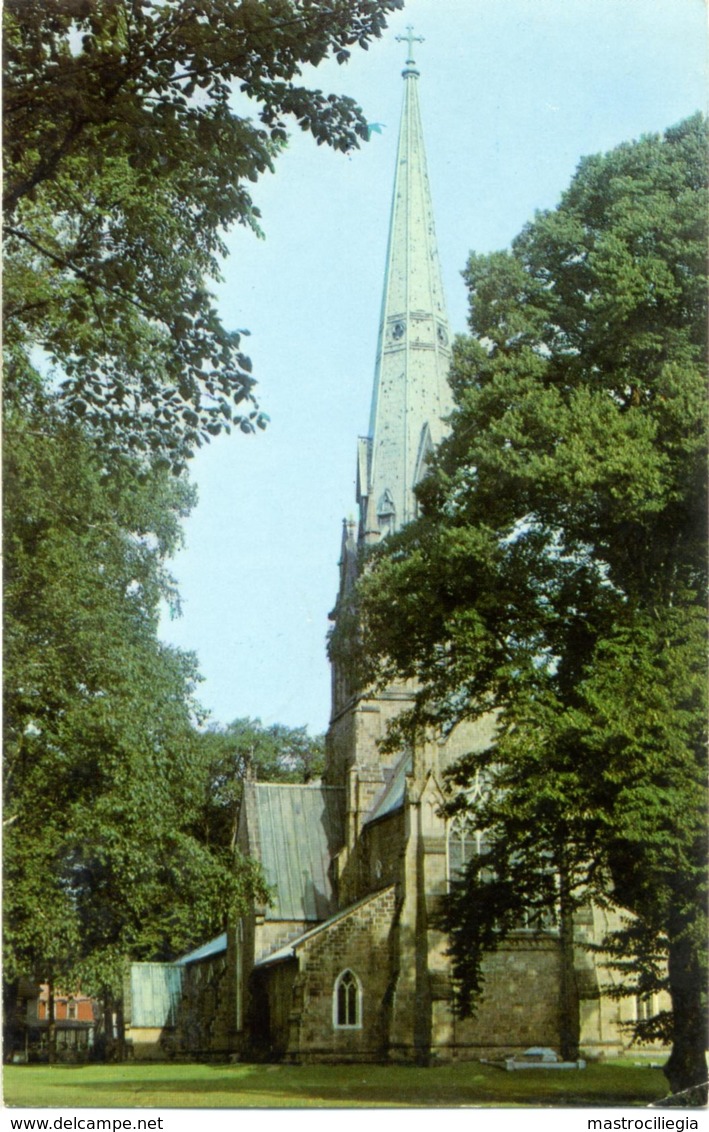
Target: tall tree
(126, 160)
(129, 152)
(558, 574)
(101, 782)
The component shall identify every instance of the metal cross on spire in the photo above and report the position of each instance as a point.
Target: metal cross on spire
(411, 39)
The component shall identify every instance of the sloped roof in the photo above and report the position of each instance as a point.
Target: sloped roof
(392, 796)
(294, 831)
(213, 947)
(289, 949)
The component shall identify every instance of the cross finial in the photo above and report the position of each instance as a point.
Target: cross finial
(411, 39)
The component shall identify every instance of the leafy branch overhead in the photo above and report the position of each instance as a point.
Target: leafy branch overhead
(125, 164)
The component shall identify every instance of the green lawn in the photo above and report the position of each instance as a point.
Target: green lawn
(324, 1086)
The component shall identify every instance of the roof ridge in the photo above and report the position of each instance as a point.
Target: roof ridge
(298, 785)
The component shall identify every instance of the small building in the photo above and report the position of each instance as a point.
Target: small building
(74, 1023)
(182, 1007)
(68, 1007)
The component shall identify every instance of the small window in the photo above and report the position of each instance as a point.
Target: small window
(386, 514)
(465, 841)
(645, 1007)
(347, 1001)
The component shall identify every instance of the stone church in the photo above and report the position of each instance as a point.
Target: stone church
(345, 962)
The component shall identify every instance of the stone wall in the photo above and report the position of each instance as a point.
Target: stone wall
(271, 1008)
(519, 1007)
(355, 733)
(204, 1022)
(146, 1043)
(358, 941)
(381, 852)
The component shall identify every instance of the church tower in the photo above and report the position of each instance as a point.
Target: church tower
(411, 397)
(411, 400)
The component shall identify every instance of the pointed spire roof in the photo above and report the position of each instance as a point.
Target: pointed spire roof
(411, 393)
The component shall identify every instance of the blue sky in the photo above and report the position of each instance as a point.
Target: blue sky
(513, 93)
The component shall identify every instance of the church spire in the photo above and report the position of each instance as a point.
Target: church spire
(411, 394)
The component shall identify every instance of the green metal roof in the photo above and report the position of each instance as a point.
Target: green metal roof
(206, 950)
(155, 991)
(295, 831)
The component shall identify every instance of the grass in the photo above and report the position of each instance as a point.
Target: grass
(326, 1086)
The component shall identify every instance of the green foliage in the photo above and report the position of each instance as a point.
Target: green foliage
(125, 163)
(558, 574)
(101, 783)
(129, 152)
(228, 755)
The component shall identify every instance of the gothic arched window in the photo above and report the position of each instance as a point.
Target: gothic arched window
(464, 841)
(347, 1001)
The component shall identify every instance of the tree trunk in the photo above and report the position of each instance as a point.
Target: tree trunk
(11, 1030)
(51, 1024)
(120, 1031)
(110, 1046)
(686, 1069)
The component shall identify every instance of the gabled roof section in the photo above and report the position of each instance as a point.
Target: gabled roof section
(289, 949)
(206, 951)
(392, 797)
(294, 831)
